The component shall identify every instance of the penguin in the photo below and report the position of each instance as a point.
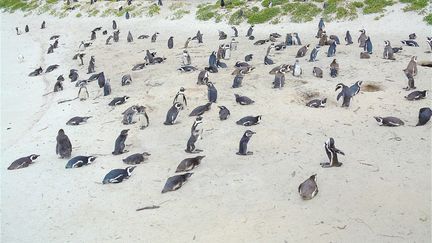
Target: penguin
(129, 114)
(43, 25)
(412, 36)
(335, 38)
(141, 37)
(235, 31)
(332, 49)
(142, 114)
(323, 39)
(289, 40)
(197, 127)
(280, 46)
(222, 3)
(190, 146)
(368, 45)
(248, 57)
(139, 66)
(364, 55)
(23, 162)
(127, 15)
(93, 35)
(309, 188)
(302, 51)
(388, 51)
(172, 114)
(424, 116)
(186, 59)
(36, 72)
(212, 59)
(314, 54)
(249, 120)
(154, 37)
(279, 80)
(79, 161)
(244, 142)
(187, 69)
(129, 37)
(116, 36)
(268, 61)
(389, 121)
(233, 44)
(317, 103)
(412, 66)
(186, 45)
(355, 88)
(271, 46)
(227, 51)
(83, 93)
(410, 43)
(176, 182)
(91, 66)
(297, 70)
(238, 79)
(243, 100)
(73, 75)
(297, 39)
(245, 70)
(101, 79)
(77, 120)
(362, 38)
(26, 29)
(429, 41)
(222, 35)
(126, 80)
(203, 77)
(107, 88)
(189, 164)
(332, 153)
(321, 24)
(198, 111)
(50, 49)
(416, 95)
(317, 72)
(224, 113)
(118, 101)
(250, 31)
(114, 25)
(135, 159)
(260, 42)
(119, 146)
(198, 37)
(334, 69)
(118, 175)
(180, 97)
(212, 92)
(345, 93)
(58, 86)
(64, 146)
(51, 68)
(55, 44)
(60, 78)
(171, 42)
(348, 38)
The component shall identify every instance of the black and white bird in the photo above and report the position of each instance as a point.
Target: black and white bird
(332, 153)
(79, 161)
(249, 120)
(137, 158)
(118, 175)
(224, 113)
(309, 188)
(176, 182)
(389, 121)
(23, 162)
(118, 100)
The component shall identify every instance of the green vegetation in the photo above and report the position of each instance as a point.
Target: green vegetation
(14, 5)
(414, 5)
(358, 4)
(301, 12)
(376, 6)
(237, 17)
(266, 3)
(206, 12)
(179, 13)
(153, 10)
(428, 19)
(263, 16)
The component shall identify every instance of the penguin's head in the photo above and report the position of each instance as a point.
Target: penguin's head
(208, 105)
(199, 158)
(61, 132)
(363, 31)
(209, 84)
(91, 158)
(307, 46)
(182, 89)
(313, 177)
(323, 101)
(124, 132)
(386, 43)
(414, 58)
(126, 97)
(249, 133)
(199, 119)
(222, 107)
(146, 154)
(424, 93)
(339, 86)
(129, 170)
(330, 142)
(379, 120)
(186, 175)
(359, 83)
(33, 157)
(259, 118)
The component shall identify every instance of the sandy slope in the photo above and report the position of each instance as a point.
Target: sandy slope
(381, 194)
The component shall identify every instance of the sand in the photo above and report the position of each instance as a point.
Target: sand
(382, 193)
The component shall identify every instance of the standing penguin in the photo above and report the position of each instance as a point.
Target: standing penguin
(127, 15)
(129, 37)
(345, 93)
(222, 3)
(26, 29)
(186, 59)
(114, 25)
(198, 37)
(91, 66)
(424, 116)
(119, 146)
(203, 77)
(302, 51)
(224, 113)
(362, 38)
(116, 36)
(171, 42)
(388, 51)
(279, 80)
(289, 40)
(227, 51)
(332, 49)
(348, 38)
(154, 37)
(244, 142)
(180, 97)
(250, 31)
(190, 146)
(368, 45)
(331, 152)
(83, 93)
(93, 35)
(213, 60)
(309, 188)
(334, 69)
(212, 92)
(297, 70)
(173, 113)
(238, 79)
(64, 146)
(297, 38)
(314, 54)
(321, 24)
(43, 25)
(235, 31)
(107, 88)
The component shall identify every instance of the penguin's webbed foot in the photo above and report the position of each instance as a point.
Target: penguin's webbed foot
(325, 165)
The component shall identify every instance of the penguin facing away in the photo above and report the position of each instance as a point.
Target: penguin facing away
(176, 182)
(189, 164)
(309, 188)
(64, 146)
(424, 116)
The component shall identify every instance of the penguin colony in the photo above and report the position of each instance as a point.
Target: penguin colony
(216, 61)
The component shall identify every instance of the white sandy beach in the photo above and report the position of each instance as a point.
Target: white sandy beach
(382, 193)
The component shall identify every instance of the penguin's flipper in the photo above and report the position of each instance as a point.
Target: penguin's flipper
(339, 95)
(339, 151)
